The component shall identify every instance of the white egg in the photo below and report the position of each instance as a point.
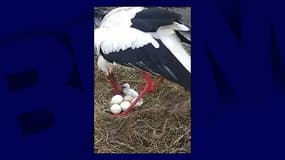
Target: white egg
(128, 98)
(125, 105)
(117, 99)
(115, 109)
(139, 103)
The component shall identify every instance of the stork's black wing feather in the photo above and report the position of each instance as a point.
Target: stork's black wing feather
(183, 38)
(156, 60)
(150, 19)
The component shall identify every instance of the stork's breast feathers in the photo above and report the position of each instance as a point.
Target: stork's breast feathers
(115, 39)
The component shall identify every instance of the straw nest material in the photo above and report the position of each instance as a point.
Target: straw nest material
(160, 125)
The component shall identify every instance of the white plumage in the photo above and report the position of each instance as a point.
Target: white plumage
(145, 38)
(115, 34)
(116, 39)
(105, 66)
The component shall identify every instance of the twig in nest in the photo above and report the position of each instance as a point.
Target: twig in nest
(136, 124)
(163, 130)
(126, 145)
(179, 138)
(129, 80)
(107, 137)
(179, 150)
(101, 135)
(137, 138)
(121, 125)
(144, 138)
(130, 137)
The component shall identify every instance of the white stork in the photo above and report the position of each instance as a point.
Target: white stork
(146, 38)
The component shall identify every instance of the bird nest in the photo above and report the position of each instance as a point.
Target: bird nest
(160, 125)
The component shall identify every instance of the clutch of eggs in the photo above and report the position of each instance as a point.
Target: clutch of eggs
(121, 103)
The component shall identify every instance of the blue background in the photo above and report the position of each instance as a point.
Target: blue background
(46, 79)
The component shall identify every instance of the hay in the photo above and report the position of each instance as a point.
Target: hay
(160, 125)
